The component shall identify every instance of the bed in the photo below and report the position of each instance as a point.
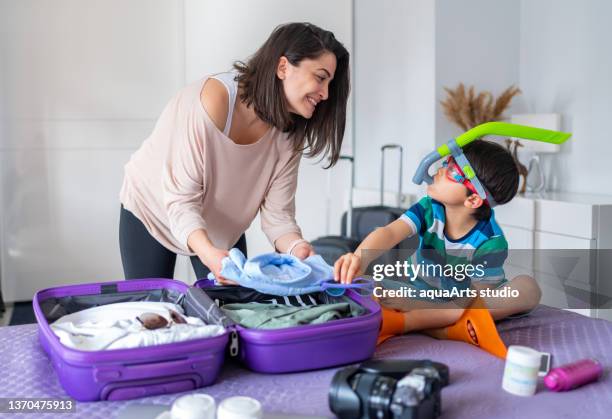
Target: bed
(474, 392)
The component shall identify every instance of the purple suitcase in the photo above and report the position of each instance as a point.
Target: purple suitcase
(127, 373)
(309, 347)
(131, 373)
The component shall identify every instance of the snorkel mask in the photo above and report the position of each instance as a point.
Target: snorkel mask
(466, 174)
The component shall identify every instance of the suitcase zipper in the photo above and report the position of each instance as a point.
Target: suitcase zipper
(233, 349)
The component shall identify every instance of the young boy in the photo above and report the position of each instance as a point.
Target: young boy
(455, 226)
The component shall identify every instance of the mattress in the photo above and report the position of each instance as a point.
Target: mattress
(474, 390)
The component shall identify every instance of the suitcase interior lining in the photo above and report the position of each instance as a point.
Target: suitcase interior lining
(54, 308)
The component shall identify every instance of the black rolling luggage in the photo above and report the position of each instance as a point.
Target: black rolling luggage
(367, 219)
(332, 247)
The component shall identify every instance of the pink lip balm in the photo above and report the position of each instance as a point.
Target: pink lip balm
(576, 374)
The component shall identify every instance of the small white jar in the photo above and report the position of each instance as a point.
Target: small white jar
(239, 407)
(193, 406)
(521, 371)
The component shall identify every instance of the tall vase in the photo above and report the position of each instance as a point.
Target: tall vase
(536, 181)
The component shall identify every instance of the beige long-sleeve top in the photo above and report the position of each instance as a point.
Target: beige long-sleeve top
(188, 175)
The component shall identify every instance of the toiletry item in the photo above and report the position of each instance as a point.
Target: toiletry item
(193, 406)
(144, 411)
(576, 374)
(521, 370)
(240, 407)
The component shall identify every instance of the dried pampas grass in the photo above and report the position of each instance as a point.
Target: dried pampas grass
(467, 109)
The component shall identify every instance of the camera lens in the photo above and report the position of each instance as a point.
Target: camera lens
(375, 392)
(381, 394)
(343, 400)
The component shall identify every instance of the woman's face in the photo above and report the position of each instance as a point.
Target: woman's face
(307, 84)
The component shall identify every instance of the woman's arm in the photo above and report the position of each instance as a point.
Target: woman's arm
(278, 209)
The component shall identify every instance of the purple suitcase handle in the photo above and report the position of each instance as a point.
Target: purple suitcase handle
(140, 371)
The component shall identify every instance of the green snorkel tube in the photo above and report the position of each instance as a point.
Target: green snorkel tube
(454, 148)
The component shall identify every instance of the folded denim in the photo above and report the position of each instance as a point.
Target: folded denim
(276, 273)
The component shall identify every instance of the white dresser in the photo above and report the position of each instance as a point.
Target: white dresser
(557, 220)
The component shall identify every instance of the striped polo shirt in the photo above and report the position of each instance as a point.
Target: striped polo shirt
(444, 261)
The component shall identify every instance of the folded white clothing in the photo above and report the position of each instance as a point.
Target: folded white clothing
(115, 326)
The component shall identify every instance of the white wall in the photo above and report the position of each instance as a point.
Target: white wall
(477, 43)
(83, 84)
(394, 86)
(406, 53)
(557, 52)
(565, 67)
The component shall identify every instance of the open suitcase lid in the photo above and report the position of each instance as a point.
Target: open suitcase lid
(52, 303)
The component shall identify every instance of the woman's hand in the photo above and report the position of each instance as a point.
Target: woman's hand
(210, 255)
(212, 258)
(347, 267)
(303, 250)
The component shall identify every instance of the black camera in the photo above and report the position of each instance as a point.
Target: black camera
(389, 389)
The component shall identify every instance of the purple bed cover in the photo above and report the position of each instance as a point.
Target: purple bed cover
(474, 392)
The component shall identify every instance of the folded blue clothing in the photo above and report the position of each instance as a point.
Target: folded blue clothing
(276, 273)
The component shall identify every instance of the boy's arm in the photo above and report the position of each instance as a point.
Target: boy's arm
(381, 239)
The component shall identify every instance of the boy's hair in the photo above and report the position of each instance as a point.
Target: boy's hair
(496, 169)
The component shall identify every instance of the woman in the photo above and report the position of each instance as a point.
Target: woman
(229, 146)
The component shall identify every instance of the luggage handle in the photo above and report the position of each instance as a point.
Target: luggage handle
(382, 172)
(349, 214)
(133, 371)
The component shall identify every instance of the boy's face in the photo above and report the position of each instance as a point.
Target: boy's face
(450, 192)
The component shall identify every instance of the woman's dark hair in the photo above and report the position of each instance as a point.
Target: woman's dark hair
(321, 134)
(496, 170)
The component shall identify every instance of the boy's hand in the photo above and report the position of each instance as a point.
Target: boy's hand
(350, 265)
(347, 267)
